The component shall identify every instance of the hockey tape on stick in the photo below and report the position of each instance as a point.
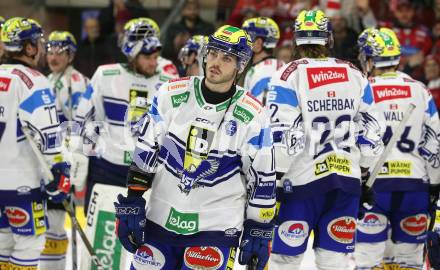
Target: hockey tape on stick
(396, 135)
(49, 176)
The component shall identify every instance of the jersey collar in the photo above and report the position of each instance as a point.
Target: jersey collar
(207, 106)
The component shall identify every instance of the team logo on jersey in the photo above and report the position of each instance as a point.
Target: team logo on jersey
(342, 229)
(396, 168)
(18, 217)
(334, 164)
(231, 127)
(293, 233)
(4, 84)
(149, 255)
(320, 76)
(390, 92)
(189, 179)
(414, 225)
(203, 258)
(372, 223)
(138, 104)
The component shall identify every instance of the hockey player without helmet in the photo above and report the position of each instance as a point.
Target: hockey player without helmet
(140, 36)
(61, 41)
(265, 28)
(313, 27)
(17, 30)
(234, 41)
(194, 45)
(381, 45)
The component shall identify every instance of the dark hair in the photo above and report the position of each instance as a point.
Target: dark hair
(310, 51)
(7, 55)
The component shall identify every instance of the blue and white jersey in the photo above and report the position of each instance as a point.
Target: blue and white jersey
(324, 124)
(258, 77)
(26, 98)
(213, 165)
(115, 100)
(77, 82)
(415, 157)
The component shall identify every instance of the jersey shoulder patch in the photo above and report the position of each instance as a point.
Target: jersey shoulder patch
(291, 68)
(110, 69)
(247, 107)
(25, 78)
(176, 90)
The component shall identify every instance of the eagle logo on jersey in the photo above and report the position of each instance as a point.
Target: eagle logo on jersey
(429, 147)
(190, 178)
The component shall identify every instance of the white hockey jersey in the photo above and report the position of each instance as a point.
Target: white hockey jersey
(167, 67)
(26, 98)
(69, 83)
(327, 101)
(258, 76)
(415, 157)
(213, 165)
(114, 102)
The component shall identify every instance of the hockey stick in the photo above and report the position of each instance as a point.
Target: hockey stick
(48, 177)
(390, 145)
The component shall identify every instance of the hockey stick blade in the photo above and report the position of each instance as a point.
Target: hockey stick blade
(396, 135)
(49, 176)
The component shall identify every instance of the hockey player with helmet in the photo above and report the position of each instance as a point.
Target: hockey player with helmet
(206, 152)
(2, 21)
(411, 170)
(163, 65)
(265, 34)
(68, 85)
(191, 55)
(26, 100)
(317, 104)
(115, 100)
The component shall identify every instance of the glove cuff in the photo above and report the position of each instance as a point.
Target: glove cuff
(258, 229)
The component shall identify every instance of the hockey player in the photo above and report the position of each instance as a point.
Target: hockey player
(163, 64)
(26, 99)
(317, 103)
(68, 85)
(265, 33)
(191, 55)
(118, 96)
(411, 170)
(206, 152)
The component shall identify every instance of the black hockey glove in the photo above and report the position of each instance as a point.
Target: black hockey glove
(58, 189)
(255, 243)
(434, 191)
(366, 201)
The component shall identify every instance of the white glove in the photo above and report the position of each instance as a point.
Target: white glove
(78, 170)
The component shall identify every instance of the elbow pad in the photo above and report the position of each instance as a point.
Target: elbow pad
(138, 180)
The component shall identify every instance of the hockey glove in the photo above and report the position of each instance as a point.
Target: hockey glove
(59, 188)
(366, 201)
(433, 246)
(255, 242)
(130, 220)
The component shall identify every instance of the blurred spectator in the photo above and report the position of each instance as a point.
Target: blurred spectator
(92, 51)
(284, 53)
(414, 38)
(246, 9)
(114, 41)
(178, 33)
(120, 10)
(345, 39)
(358, 14)
(432, 75)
